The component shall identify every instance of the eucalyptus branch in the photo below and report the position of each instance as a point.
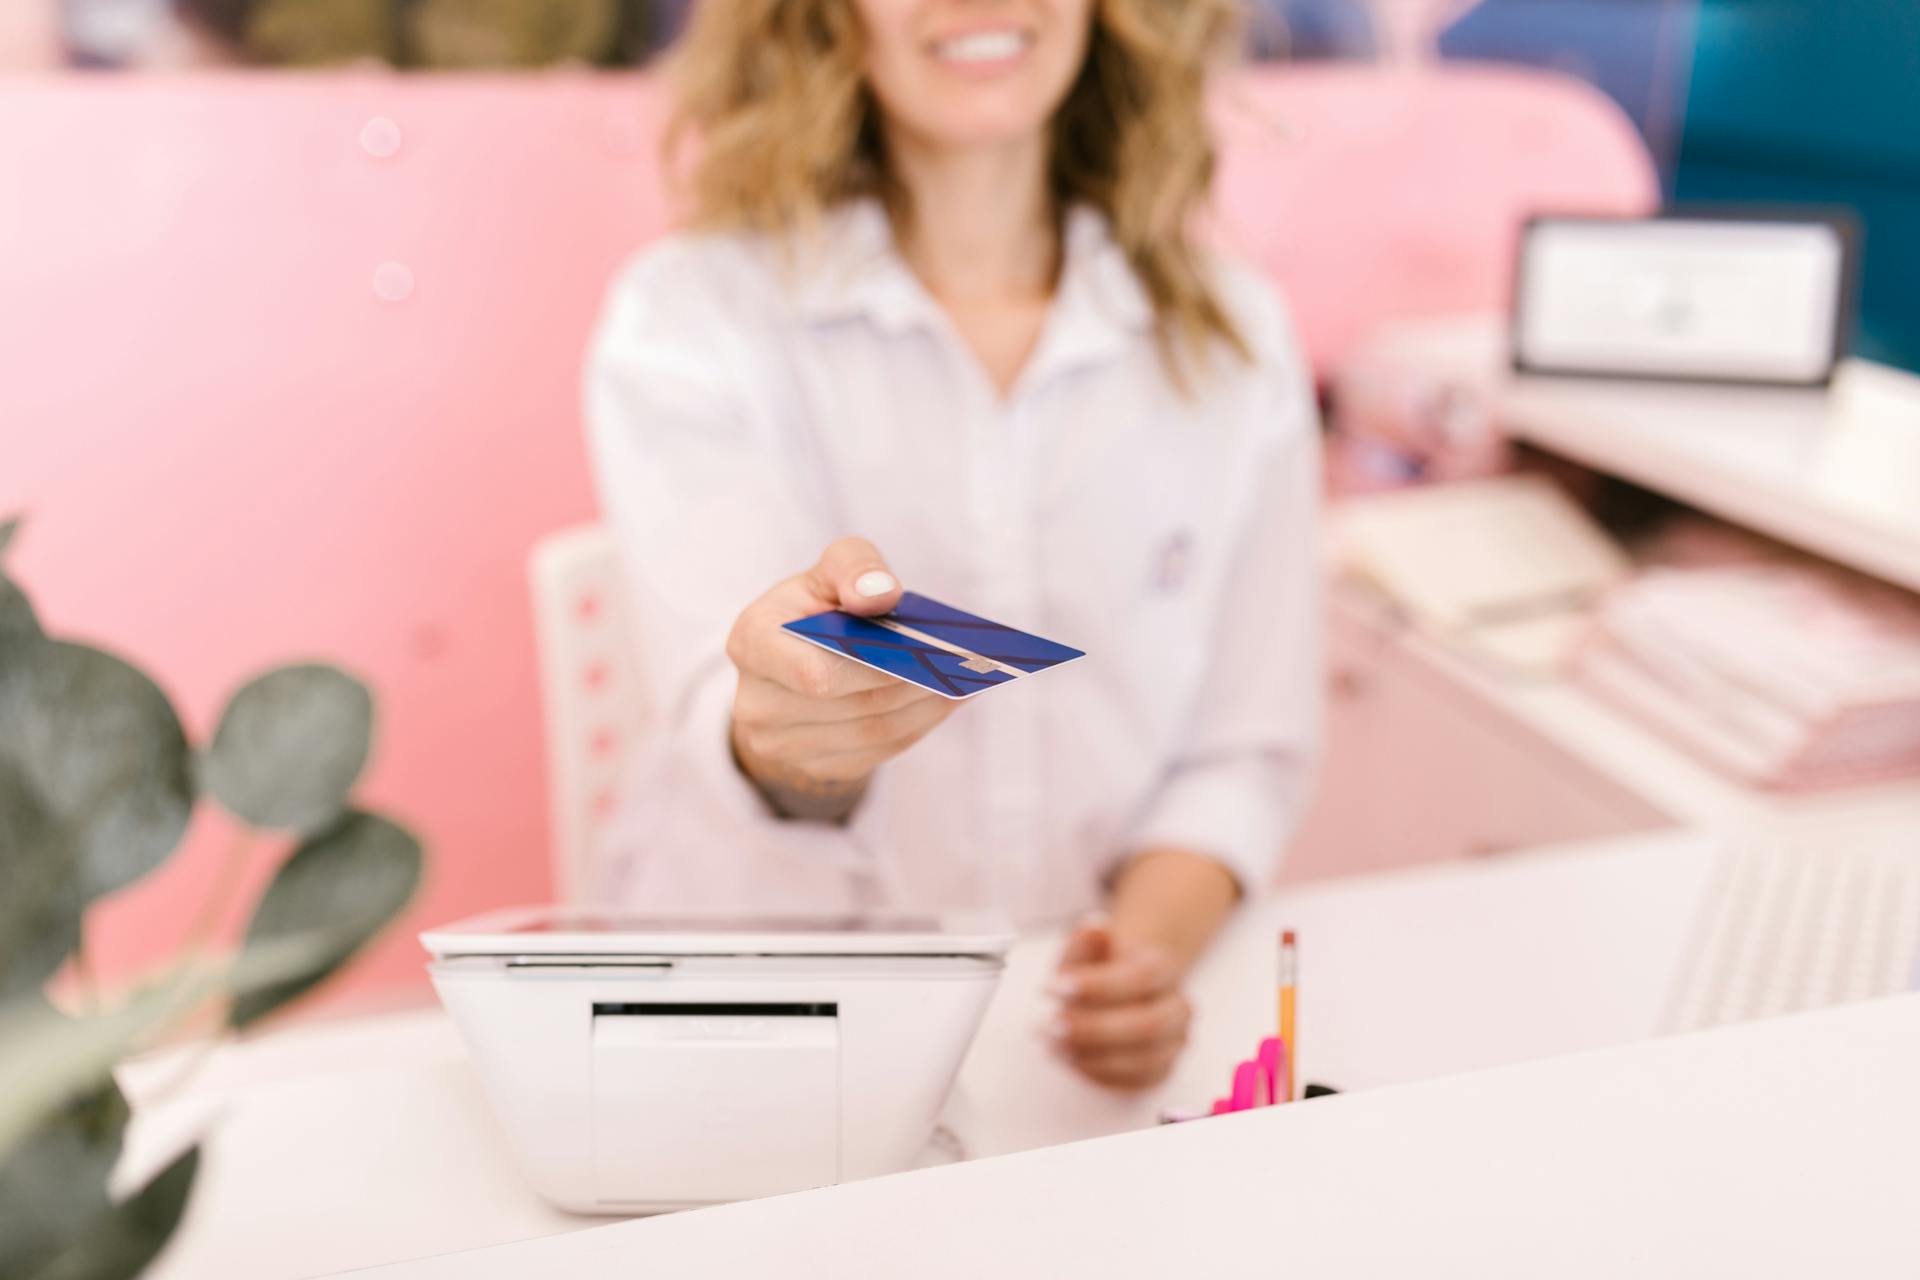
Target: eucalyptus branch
(225, 885)
(46, 1058)
(83, 973)
(98, 787)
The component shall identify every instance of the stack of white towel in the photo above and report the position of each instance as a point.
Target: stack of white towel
(1784, 675)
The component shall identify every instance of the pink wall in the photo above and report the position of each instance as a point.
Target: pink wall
(29, 34)
(233, 452)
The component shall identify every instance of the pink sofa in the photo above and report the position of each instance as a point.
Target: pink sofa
(266, 392)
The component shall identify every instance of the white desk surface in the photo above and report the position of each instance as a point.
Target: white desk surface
(332, 1147)
(1782, 1148)
(1836, 473)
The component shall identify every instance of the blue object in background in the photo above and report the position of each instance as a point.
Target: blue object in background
(1637, 52)
(1801, 102)
(668, 20)
(1311, 29)
(1767, 102)
(110, 33)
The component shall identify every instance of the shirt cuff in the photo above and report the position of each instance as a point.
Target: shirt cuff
(1227, 811)
(707, 743)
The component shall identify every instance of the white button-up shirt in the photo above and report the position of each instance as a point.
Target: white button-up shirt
(750, 402)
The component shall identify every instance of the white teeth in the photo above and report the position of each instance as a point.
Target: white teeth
(986, 46)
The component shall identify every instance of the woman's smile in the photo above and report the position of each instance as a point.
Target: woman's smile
(989, 51)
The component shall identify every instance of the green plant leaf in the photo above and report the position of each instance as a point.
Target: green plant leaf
(344, 884)
(48, 1059)
(40, 901)
(101, 747)
(50, 1063)
(290, 746)
(53, 1185)
(19, 628)
(120, 1243)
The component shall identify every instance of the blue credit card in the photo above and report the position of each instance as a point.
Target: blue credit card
(935, 646)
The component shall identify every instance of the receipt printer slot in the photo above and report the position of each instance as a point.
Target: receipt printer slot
(714, 1101)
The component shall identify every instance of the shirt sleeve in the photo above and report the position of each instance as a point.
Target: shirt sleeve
(1241, 780)
(712, 499)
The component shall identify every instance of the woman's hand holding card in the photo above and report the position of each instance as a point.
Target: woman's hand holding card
(809, 729)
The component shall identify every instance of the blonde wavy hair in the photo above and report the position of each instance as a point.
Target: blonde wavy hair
(775, 94)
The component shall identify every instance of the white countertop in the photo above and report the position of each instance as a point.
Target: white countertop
(1782, 1148)
(333, 1146)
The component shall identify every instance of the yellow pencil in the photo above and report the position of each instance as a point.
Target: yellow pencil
(1289, 978)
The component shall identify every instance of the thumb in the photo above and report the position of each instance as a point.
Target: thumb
(852, 575)
(1091, 942)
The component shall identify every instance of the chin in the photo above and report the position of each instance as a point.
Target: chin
(982, 119)
(986, 133)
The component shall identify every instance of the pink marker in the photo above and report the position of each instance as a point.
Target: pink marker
(1246, 1081)
(1273, 1065)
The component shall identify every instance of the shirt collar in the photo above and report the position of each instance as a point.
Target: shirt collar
(1101, 310)
(852, 269)
(849, 269)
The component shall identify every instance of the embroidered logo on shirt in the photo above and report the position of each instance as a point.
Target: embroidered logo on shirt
(1173, 562)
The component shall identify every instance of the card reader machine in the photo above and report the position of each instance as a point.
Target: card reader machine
(643, 1064)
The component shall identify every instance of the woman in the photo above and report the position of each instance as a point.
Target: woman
(940, 295)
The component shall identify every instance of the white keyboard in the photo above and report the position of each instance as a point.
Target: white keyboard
(1799, 925)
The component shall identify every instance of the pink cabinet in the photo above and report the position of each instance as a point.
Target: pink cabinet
(1419, 767)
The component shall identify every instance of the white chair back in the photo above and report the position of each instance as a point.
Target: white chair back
(594, 702)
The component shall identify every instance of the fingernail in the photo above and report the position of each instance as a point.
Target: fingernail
(1056, 1030)
(1064, 986)
(876, 582)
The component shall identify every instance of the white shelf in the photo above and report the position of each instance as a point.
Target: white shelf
(1834, 472)
(1669, 780)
